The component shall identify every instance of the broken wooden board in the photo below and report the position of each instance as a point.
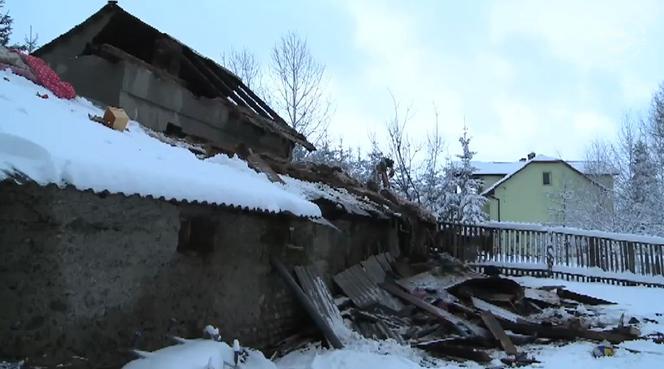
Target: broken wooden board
(616, 335)
(302, 297)
(584, 299)
(257, 163)
(460, 351)
(427, 280)
(546, 297)
(363, 291)
(463, 326)
(499, 311)
(498, 332)
(314, 287)
(377, 327)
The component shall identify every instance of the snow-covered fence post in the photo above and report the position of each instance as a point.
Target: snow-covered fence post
(549, 252)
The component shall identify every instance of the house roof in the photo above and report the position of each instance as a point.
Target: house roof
(537, 159)
(53, 142)
(502, 168)
(212, 79)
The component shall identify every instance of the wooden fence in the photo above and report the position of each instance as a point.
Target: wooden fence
(555, 249)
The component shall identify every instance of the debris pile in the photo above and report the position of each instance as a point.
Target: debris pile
(448, 310)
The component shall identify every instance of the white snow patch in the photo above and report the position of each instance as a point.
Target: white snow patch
(198, 354)
(53, 141)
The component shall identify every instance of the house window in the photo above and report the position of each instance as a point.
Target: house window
(196, 236)
(546, 178)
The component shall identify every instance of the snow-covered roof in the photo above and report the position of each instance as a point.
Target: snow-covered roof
(346, 201)
(507, 167)
(537, 159)
(52, 141)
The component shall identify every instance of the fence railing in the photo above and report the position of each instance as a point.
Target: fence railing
(554, 248)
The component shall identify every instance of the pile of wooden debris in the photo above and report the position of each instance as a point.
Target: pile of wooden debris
(444, 308)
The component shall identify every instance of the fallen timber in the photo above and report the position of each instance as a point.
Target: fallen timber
(457, 316)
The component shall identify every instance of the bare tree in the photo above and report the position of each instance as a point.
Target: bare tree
(31, 42)
(298, 90)
(245, 65)
(403, 152)
(430, 179)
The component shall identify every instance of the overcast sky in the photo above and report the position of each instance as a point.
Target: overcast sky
(543, 76)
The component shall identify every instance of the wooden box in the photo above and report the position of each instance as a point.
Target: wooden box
(116, 118)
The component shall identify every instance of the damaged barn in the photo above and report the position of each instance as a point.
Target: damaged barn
(112, 239)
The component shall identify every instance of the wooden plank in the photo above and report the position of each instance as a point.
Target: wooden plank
(320, 322)
(498, 311)
(567, 251)
(463, 326)
(584, 299)
(440, 348)
(547, 297)
(498, 332)
(641, 269)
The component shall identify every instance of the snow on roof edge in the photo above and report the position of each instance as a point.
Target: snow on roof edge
(539, 159)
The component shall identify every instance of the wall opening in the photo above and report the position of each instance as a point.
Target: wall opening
(546, 178)
(196, 236)
(174, 131)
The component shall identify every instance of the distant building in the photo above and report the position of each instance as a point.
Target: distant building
(527, 190)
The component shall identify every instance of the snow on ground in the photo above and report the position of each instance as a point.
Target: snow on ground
(53, 141)
(638, 302)
(364, 353)
(198, 354)
(360, 353)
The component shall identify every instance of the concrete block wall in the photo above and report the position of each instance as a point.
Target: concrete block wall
(83, 273)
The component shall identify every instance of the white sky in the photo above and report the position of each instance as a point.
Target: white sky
(524, 75)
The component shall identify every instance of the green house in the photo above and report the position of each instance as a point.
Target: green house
(534, 188)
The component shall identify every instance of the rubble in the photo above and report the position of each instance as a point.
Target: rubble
(450, 311)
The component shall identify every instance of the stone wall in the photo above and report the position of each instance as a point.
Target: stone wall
(82, 273)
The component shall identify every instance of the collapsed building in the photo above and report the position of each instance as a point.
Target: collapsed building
(109, 238)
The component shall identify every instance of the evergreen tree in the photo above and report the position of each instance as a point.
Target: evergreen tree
(461, 201)
(656, 126)
(642, 191)
(471, 203)
(5, 25)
